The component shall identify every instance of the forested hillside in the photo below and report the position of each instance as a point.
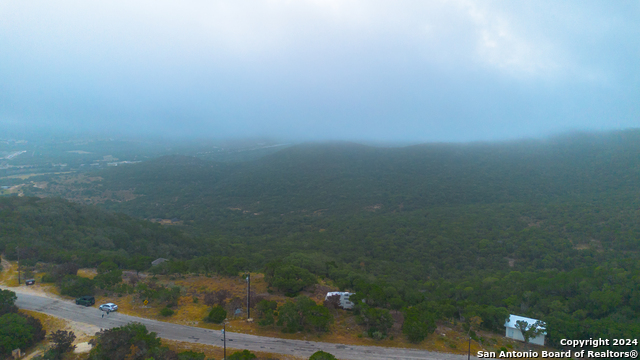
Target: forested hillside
(344, 177)
(54, 230)
(546, 229)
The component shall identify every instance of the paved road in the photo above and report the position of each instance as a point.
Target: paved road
(69, 310)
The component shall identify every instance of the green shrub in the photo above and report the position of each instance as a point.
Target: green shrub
(62, 342)
(265, 307)
(291, 279)
(242, 355)
(304, 314)
(375, 319)
(76, 286)
(106, 267)
(418, 324)
(267, 319)
(123, 288)
(8, 302)
(266, 310)
(115, 343)
(190, 355)
(169, 296)
(109, 279)
(217, 315)
(166, 312)
(16, 331)
(48, 278)
(321, 355)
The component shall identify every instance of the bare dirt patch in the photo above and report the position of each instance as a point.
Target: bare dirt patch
(40, 185)
(9, 274)
(26, 176)
(44, 290)
(5, 264)
(167, 221)
(84, 189)
(82, 347)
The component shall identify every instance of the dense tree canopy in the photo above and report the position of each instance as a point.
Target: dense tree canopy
(53, 230)
(17, 331)
(546, 229)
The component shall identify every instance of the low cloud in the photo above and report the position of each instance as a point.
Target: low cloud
(437, 70)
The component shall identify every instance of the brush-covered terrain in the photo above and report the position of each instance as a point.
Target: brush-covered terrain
(442, 232)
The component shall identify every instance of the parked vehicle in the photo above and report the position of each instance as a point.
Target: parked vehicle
(30, 282)
(86, 300)
(108, 307)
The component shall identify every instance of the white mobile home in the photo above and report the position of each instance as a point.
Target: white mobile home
(344, 299)
(514, 333)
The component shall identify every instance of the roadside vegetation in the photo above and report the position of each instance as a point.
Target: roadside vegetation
(304, 317)
(19, 330)
(427, 237)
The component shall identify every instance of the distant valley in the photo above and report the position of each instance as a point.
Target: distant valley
(533, 227)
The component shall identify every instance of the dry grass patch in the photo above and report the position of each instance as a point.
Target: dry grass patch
(216, 352)
(9, 274)
(84, 332)
(49, 323)
(87, 273)
(344, 330)
(26, 176)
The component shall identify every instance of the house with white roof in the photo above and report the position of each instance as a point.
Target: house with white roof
(159, 261)
(514, 333)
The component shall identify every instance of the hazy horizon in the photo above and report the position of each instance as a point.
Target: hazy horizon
(369, 72)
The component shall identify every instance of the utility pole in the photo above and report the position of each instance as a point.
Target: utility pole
(248, 295)
(469, 335)
(224, 334)
(473, 322)
(18, 251)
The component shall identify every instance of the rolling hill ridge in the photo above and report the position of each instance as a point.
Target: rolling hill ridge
(546, 229)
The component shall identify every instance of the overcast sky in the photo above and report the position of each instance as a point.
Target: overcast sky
(306, 70)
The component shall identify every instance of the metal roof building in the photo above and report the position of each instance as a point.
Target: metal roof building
(159, 261)
(512, 331)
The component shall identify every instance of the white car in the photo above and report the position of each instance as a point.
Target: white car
(108, 307)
